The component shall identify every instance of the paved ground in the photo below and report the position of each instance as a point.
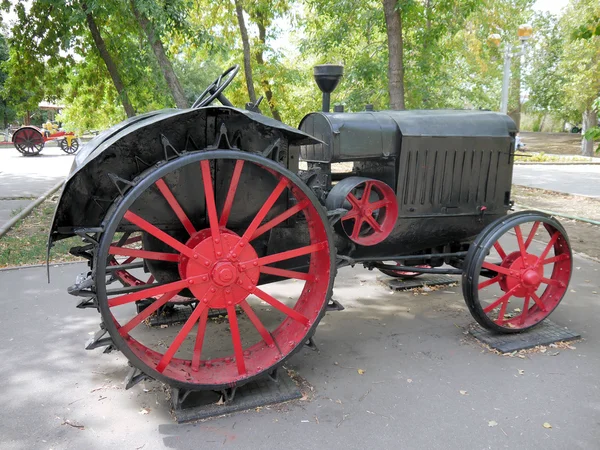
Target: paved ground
(570, 179)
(23, 178)
(413, 348)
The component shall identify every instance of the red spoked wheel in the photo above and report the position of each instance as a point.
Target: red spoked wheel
(517, 272)
(372, 209)
(28, 141)
(215, 227)
(403, 273)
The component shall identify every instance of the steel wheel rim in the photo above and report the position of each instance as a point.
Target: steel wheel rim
(28, 141)
(521, 275)
(64, 145)
(298, 322)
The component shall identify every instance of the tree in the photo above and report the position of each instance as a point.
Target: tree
(393, 20)
(140, 10)
(239, 12)
(580, 66)
(108, 60)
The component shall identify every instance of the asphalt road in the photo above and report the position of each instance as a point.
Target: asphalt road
(413, 349)
(570, 179)
(24, 178)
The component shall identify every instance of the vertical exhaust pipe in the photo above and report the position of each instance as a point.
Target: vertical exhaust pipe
(327, 77)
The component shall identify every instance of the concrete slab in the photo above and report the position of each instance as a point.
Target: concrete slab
(413, 349)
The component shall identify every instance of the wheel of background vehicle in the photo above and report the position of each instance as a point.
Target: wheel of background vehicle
(215, 255)
(70, 149)
(575, 130)
(372, 209)
(511, 291)
(28, 141)
(402, 273)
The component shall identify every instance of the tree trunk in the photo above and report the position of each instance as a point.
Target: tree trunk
(542, 123)
(163, 61)
(393, 20)
(262, 36)
(514, 110)
(246, 44)
(110, 64)
(590, 119)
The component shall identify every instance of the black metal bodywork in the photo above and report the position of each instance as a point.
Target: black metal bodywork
(451, 170)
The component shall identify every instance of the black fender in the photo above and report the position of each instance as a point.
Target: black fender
(105, 166)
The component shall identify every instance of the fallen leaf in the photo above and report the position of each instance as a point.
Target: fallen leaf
(492, 423)
(221, 401)
(547, 425)
(409, 380)
(144, 411)
(571, 347)
(463, 392)
(164, 326)
(517, 310)
(521, 372)
(360, 371)
(594, 292)
(521, 356)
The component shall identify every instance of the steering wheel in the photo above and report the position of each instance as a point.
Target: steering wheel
(215, 89)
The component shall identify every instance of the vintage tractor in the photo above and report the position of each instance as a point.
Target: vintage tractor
(30, 140)
(204, 216)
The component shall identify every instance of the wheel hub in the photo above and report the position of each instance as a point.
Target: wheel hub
(525, 275)
(228, 277)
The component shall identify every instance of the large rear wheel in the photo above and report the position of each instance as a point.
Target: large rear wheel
(210, 227)
(28, 141)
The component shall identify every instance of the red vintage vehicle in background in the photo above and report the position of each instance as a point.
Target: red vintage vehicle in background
(30, 140)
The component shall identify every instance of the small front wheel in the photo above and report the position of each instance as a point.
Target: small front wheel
(517, 272)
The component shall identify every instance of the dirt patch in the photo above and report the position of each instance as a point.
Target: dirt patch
(584, 237)
(574, 205)
(554, 143)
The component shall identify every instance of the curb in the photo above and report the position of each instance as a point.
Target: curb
(550, 163)
(35, 266)
(8, 225)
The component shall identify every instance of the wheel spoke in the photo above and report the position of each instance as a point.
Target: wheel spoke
(280, 218)
(538, 301)
(500, 319)
(145, 254)
(500, 250)
(366, 193)
(495, 268)
(148, 293)
(159, 234)
(525, 310)
(522, 248)
(199, 340)
(236, 339)
(489, 282)
(211, 207)
(147, 312)
(291, 253)
(534, 229)
(356, 228)
(287, 273)
(280, 306)
(260, 215)
(551, 282)
(502, 299)
(235, 179)
(352, 214)
(257, 323)
(378, 204)
(561, 257)
(548, 247)
(353, 201)
(371, 220)
(175, 206)
(185, 330)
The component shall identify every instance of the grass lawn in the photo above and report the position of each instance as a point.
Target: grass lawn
(26, 242)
